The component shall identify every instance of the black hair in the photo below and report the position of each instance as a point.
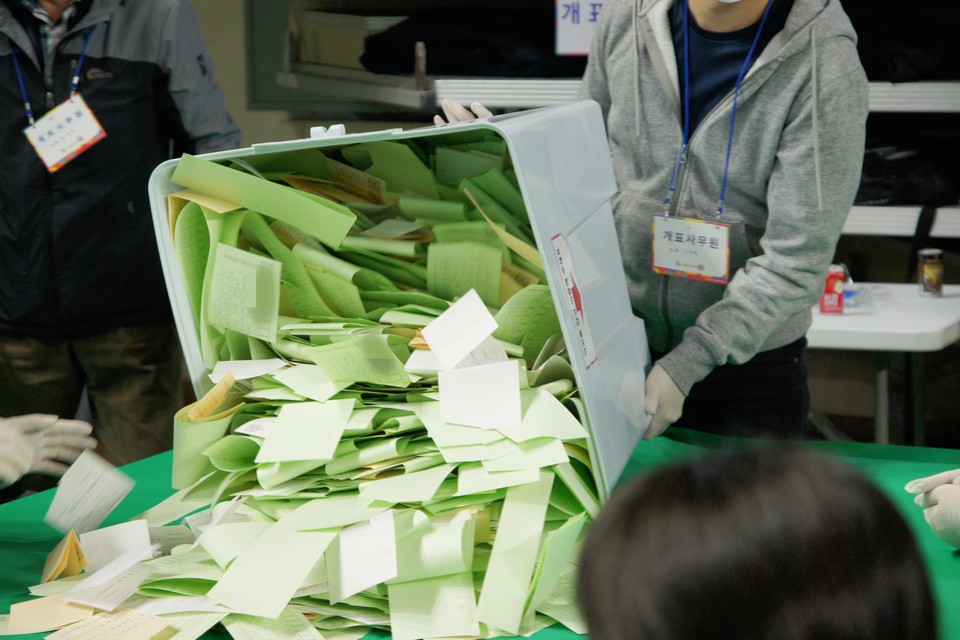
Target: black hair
(756, 543)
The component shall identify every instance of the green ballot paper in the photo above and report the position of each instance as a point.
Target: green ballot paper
(402, 445)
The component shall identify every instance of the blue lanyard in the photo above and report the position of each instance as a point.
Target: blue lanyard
(682, 155)
(74, 81)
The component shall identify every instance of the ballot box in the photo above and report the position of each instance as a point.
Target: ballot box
(402, 286)
(565, 177)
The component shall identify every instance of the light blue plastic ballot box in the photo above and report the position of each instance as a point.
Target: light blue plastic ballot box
(563, 167)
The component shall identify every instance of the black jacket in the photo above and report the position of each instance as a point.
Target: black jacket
(78, 254)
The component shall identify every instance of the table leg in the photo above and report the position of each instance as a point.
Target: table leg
(881, 401)
(915, 398)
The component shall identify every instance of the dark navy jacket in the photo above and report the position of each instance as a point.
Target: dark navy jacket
(78, 253)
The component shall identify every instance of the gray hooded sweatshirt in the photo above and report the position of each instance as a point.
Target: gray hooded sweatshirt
(794, 171)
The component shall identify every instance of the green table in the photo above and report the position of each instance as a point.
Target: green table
(25, 540)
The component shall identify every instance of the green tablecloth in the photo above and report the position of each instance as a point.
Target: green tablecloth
(25, 540)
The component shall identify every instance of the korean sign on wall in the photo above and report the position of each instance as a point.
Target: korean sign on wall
(575, 22)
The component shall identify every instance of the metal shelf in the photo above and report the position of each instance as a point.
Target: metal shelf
(915, 97)
(519, 93)
(900, 221)
(405, 91)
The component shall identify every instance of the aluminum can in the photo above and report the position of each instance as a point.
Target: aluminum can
(831, 300)
(930, 271)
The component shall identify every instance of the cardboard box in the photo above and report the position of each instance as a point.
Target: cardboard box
(337, 39)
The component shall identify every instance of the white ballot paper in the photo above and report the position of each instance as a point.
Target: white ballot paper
(459, 330)
(89, 490)
(245, 369)
(466, 395)
(103, 545)
(109, 592)
(364, 555)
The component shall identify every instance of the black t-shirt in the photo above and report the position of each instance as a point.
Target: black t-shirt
(716, 58)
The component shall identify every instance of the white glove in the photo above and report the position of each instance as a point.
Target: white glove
(939, 495)
(631, 390)
(455, 112)
(663, 401)
(40, 443)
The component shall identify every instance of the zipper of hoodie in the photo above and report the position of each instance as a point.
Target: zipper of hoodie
(678, 194)
(679, 179)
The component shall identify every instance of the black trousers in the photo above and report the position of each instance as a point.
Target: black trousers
(764, 397)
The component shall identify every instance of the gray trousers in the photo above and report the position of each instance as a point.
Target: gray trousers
(133, 377)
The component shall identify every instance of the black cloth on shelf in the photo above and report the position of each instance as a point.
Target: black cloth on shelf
(895, 175)
(473, 42)
(909, 51)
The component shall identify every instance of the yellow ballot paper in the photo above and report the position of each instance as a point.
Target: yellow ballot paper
(523, 249)
(45, 614)
(67, 559)
(122, 624)
(218, 205)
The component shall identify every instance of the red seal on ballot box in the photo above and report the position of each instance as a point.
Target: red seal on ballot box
(831, 300)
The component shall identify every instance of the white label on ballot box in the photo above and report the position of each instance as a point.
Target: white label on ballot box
(574, 298)
(64, 133)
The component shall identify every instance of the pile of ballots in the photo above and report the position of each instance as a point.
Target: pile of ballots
(391, 443)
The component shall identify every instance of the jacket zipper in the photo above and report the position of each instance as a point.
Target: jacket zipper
(681, 179)
(675, 205)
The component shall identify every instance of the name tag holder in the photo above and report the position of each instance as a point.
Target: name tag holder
(65, 132)
(691, 248)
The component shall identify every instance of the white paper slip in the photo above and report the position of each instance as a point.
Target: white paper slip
(111, 594)
(459, 330)
(422, 362)
(87, 493)
(245, 369)
(113, 569)
(103, 545)
(289, 625)
(364, 555)
(489, 351)
(257, 427)
(487, 396)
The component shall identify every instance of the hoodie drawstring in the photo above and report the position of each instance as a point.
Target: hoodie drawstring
(816, 109)
(636, 67)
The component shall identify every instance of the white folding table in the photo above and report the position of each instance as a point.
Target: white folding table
(896, 318)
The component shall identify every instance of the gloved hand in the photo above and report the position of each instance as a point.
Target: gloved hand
(663, 401)
(631, 390)
(455, 112)
(939, 495)
(40, 443)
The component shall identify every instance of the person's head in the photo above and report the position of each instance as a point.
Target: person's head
(55, 8)
(726, 15)
(758, 543)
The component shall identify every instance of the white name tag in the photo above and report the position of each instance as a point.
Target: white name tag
(65, 132)
(691, 248)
